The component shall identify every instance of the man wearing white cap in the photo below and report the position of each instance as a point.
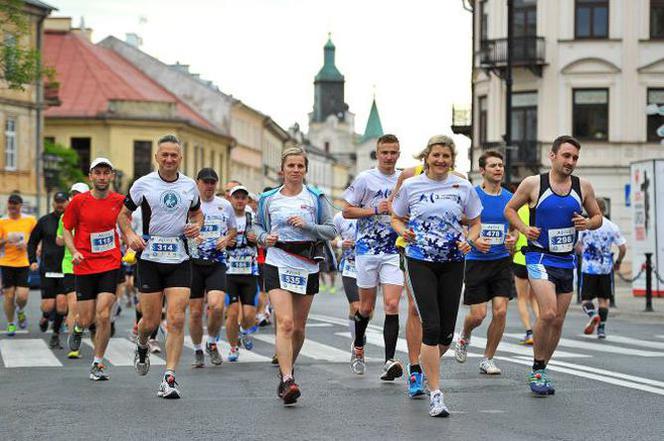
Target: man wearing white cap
(90, 234)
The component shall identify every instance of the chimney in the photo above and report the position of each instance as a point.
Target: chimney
(83, 31)
(133, 39)
(57, 24)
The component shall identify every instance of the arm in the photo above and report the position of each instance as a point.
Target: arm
(474, 230)
(521, 197)
(35, 238)
(594, 220)
(622, 249)
(407, 173)
(196, 220)
(326, 229)
(133, 240)
(68, 237)
(258, 228)
(352, 201)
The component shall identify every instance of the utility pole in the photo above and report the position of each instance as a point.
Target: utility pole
(508, 93)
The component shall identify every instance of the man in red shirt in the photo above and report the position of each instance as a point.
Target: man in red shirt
(90, 234)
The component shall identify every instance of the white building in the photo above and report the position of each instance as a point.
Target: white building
(586, 68)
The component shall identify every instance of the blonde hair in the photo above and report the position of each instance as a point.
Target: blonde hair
(294, 151)
(442, 140)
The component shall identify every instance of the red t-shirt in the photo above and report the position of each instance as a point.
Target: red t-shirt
(93, 223)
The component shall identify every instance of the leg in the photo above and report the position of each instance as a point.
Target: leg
(301, 307)
(151, 316)
(216, 301)
(232, 324)
(391, 297)
(22, 296)
(367, 305)
(9, 304)
(72, 314)
(545, 294)
(562, 304)
(103, 307)
(473, 319)
(282, 302)
(523, 299)
(413, 331)
(497, 326)
(176, 307)
(196, 321)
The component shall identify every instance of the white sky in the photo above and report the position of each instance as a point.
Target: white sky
(267, 52)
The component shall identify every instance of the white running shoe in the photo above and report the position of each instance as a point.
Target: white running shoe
(391, 369)
(437, 406)
(168, 388)
(461, 349)
(357, 364)
(488, 367)
(154, 346)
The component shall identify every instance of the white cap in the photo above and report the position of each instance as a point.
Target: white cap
(80, 187)
(253, 196)
(100, 161)
(238, 188)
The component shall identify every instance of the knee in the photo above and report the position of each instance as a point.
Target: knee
(103, 317)
(216, 308)
(548, 316)
(477, 317)
(430, 334)
(286, 326)
(500, 313)
(391, 306)
(298, 332)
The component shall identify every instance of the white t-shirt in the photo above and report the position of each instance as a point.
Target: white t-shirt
(374, 233)
(219, 218)
(347, 230)
(597, 257)
(280, 209)
(242, 259)
(435, 210)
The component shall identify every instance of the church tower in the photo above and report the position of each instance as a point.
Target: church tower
(329, 88)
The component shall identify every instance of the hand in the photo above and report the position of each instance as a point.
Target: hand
(192, 230)
(296, 221)
(383, 207)
(22, 246)
(222, 243)
(408, 235)
(510, 241)
(251, 237)
(271, 239)
(231, 242)
(347, 244)
(464, 247)
(532, 233)
(34, 266)
(135, 242)
(580, 222)
(616, 265)
(77, 258)
(482, 245)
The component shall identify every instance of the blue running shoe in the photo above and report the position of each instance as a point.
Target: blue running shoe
(540, 384)
(233, 354)
(415, 384)
(246, 339)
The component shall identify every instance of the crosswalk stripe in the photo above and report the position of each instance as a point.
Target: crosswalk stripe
(18, 331)
(315, 350)
(480, 342)
(224, 347)
(120, 352)
(340, 321)
(31, 352)
(611, 338)
(602, 347)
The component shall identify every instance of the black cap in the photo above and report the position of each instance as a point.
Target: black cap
(206, 174)
(60, 196)
(15, 199)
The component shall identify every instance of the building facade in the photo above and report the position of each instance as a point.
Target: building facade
(247, 127)
(275, 139)
(586, 68)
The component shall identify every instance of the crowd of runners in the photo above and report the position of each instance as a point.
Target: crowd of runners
(241, 261)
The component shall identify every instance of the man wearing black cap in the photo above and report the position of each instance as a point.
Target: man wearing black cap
(50, 268)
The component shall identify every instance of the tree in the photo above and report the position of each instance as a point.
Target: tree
(70, 171)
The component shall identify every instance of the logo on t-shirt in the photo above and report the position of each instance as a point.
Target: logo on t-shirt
(170, 200)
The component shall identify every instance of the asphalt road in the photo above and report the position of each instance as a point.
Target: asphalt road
(605, 390)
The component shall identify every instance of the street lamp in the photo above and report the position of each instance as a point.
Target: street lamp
(51, 167)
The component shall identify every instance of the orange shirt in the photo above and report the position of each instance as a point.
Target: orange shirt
(16, 232)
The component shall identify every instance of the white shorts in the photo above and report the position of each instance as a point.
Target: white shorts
(380, 268)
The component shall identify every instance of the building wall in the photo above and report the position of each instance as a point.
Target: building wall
(246, 160)
(272, 148)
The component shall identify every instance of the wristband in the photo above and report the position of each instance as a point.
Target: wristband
(376, 211)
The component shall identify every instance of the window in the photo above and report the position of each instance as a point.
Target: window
(484, 21)
(49, 139)
(655, 96)
(524, 126)
(11, 150)
(656, 18)
(82, 148)
(590, 114)
(483, 119)
(10, 54)
(142, 158)
(591, 19)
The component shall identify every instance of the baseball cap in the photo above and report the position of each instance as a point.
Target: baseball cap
(440, 139)
(101, 161)
(80, 187)
(60, 196)
(15, 199)
(238, 188)
(207, 173)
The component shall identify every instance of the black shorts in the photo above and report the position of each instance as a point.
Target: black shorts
(51, 287)
(261, 277)
(596, 285)
(13, 276)
(88, 286)
(562, 278)
(121, 274)
(69, 283)
(207, 278)
(350, 288)
(242, 287)
(520, 271)
(402, 259)
(486, 279)
(272, 280)
(155, 277)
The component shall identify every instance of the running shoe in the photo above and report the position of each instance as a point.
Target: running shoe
(288, 391)
(246, 339)
(168, 388)
(54, 342)
(263, 320)
(97, 372)
(74, 339)
(73, 355)
(233, 354)
(213, 353)
(333, 289)
(153, 344)
(11, 330)
(415, 384)
(357, 364)
(488, 367)
(527, 339)
(43, 324)
(592, 323)
(601, 333)
(437, 406)
(142, 360)
(461, 349)
(199, 359)
(22, 319)
(391, 369)
(540, 384)
(275, 360)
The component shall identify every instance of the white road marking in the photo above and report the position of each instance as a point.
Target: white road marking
(120, 352)
(18, 331)
(601, 347)
(319, 325)
(340, 321)
(224, 348)
(312, 349)
(480, 343)
(32, 352)
(611, 338)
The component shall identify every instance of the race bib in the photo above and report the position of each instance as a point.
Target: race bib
(211, 230)
(494, 233)
(101, 242)
(349, 269)
(50, 275)
(164, 250)
(240, 265)
(561, 240)
(293, 280)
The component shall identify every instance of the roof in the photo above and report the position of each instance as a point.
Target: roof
(90, 76)
(41, 5)
(374, 128)
(329, 71)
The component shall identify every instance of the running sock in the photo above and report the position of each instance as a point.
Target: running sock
(211, 339)
(415, 368)
(361, 324)
(139, 315)
(153, 336)
(351, 326)
(529, 332)
(46, 315)
(539, 365)
(92, 328)
(391, 335)
(588, 308)
(97, 360)
(198, 347)
(285, 378)
(169, 372)
(603, 314)
(57, 322)
(77, 329)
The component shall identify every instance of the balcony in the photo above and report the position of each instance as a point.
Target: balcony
(527, 52)
(522, 154)
(461, 121)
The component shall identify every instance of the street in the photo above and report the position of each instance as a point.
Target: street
(610, 389)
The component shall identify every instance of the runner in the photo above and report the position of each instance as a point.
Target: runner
(15, 230)
(293, 222)
(377, 259)
(435, 204)
(524, 295)
(168, 199)
(209, 268)
(556, 200)
(241, 277)
(596, 266)
(90, 234)
(346, 228)
(488, 274)
(54, 299)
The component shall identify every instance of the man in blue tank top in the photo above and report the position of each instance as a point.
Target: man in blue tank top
(556, 200)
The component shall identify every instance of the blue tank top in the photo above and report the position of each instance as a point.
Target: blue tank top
(553, 216)
(494, 225)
